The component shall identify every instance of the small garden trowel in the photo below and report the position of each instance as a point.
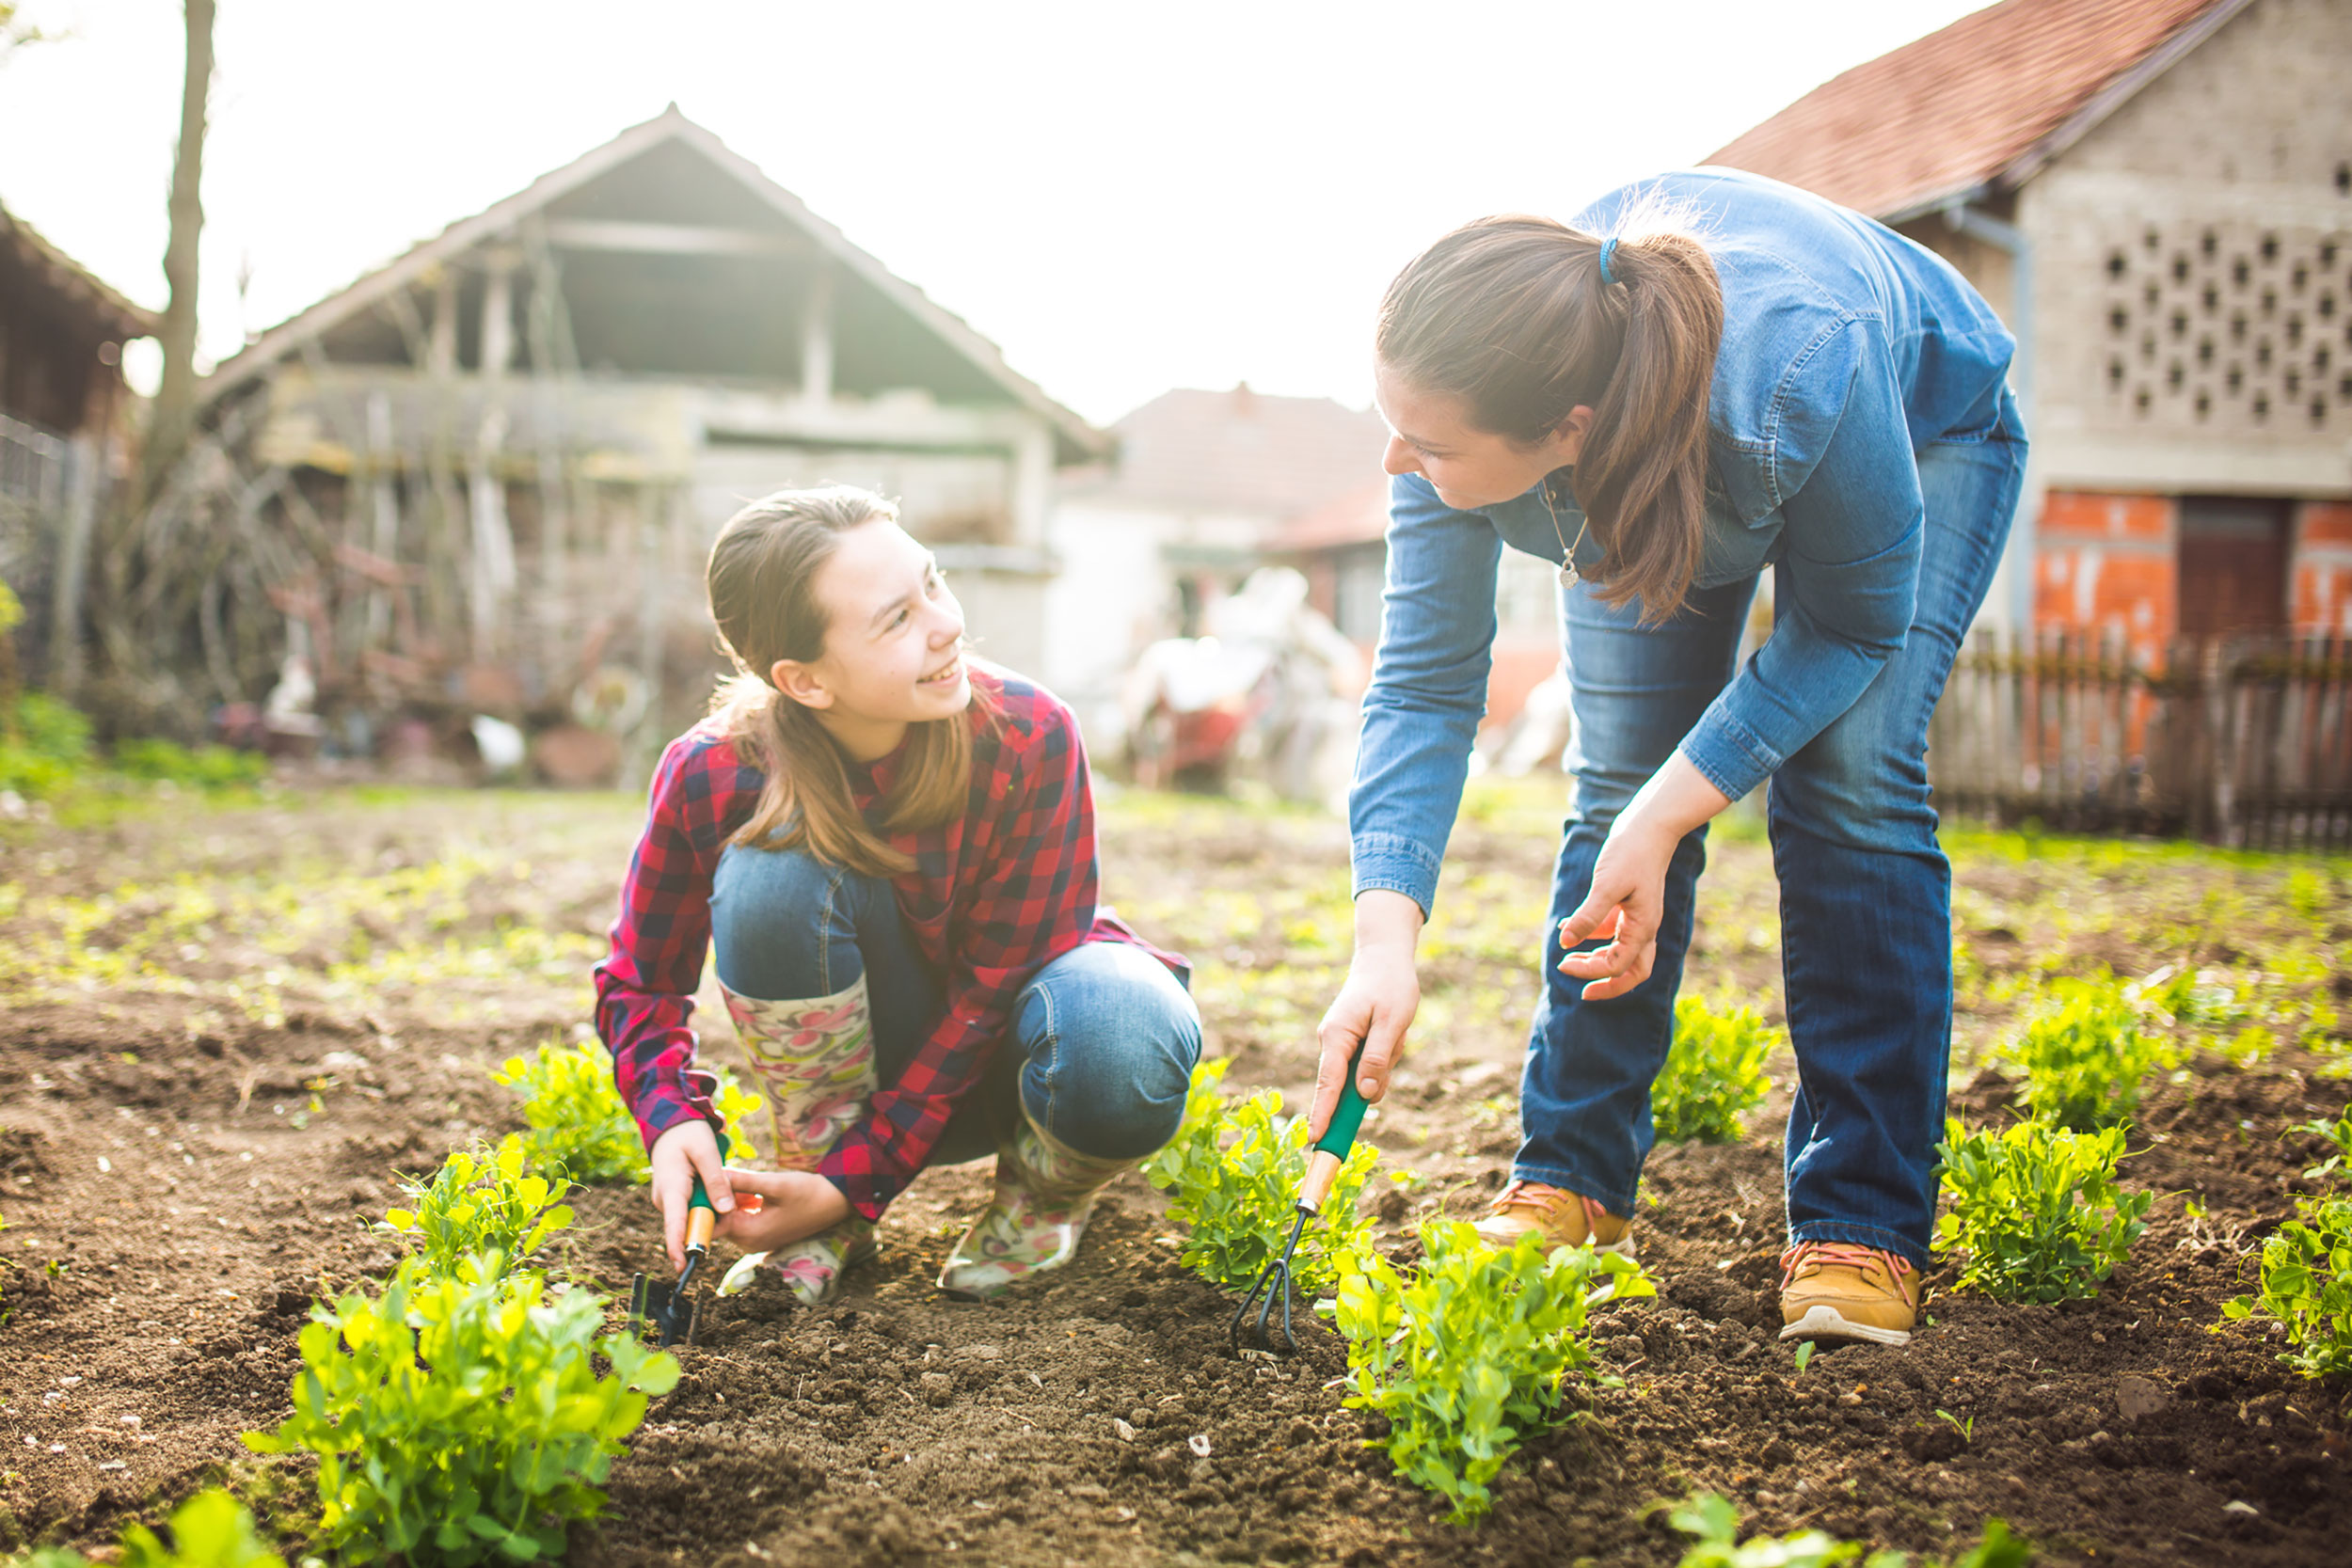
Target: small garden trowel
(1322, 1169)
(663, 1309)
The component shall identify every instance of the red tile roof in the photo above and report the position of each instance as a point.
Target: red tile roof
(1972, 104)
(1241, 451)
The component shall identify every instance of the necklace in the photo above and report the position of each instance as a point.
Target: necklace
(1569, 576)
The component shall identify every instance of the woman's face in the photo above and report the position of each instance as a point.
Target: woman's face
(893, 636)
(1430, 434)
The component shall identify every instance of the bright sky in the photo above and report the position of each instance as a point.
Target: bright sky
(1126, 199)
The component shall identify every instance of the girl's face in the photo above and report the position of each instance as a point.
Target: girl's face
(1430, 434)
(894, 638)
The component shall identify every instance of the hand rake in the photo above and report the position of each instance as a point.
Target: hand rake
(1322, 1169)
(664, 1309)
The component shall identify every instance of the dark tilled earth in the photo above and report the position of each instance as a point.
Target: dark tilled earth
(195, 1219)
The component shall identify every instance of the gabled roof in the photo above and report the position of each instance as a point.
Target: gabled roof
(1980, 105)
(71, 279)
(1242, 451)
(419, 260)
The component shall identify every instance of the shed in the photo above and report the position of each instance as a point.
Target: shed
(493, 466)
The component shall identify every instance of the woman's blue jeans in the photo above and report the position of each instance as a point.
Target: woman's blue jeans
(1099, 1049)
(1864, 892)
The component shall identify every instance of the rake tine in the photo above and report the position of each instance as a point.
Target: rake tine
(1275, 1280)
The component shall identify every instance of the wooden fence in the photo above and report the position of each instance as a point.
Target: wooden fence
(2242, 742)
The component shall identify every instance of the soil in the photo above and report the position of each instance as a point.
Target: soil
(171, 1158)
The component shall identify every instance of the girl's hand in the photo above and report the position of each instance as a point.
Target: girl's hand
(1627, 904)
(685, 1151)
(1375, 1007)
(794, 1205)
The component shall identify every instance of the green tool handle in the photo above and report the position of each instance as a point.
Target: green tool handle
(1346, 1117)
(1323, 1165)
(701, 1199)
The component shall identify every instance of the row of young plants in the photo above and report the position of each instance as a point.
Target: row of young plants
(46, 749)
(467, 1408)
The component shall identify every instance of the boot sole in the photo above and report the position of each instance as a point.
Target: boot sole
(1824, 1321)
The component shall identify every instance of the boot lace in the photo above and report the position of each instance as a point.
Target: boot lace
(1523, 1194)
(1806, 1256)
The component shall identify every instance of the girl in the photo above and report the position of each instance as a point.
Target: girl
(891, 846)
(1695, 380)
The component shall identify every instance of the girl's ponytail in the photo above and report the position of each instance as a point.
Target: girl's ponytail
(1514, 316)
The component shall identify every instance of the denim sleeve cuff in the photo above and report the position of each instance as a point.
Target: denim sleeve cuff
(1728, 754)
(1397, 864)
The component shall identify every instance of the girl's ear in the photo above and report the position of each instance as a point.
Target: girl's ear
(799, 682)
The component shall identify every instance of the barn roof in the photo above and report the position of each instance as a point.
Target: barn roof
(1242, 450)
(74, 282)
(420, 263)
(1981, 104)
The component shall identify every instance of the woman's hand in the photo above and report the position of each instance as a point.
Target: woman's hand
(1628, 900)
(685, 1151)
(1627, 903)
(1374, 1006)
(794, 1205)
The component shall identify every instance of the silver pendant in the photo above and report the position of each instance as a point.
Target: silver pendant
(1569, 576)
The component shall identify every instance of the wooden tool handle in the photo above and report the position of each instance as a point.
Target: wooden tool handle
(700, 1223)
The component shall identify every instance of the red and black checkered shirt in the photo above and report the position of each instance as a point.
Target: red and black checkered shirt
(993, 897)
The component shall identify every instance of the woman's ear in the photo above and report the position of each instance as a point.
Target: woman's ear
(799, 682)
(1567, 437)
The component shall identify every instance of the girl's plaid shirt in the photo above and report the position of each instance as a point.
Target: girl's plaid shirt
(993, 897)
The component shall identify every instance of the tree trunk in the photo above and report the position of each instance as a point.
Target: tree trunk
(175, 399)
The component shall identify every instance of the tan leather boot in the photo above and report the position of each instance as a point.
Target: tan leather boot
(1562, 1218)
(1841, 1291)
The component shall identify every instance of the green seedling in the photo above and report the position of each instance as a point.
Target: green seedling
(2036, 1210)
(1233, 1173)
(1714, 1072)
(1714, 1525)
(2307, 1285)
(2084, 1054)
(1966, 1429)
(2338, 1132)
(579, 1124)
(479, 1201)
(211, 1530)
(1469, 1356)
(461, 1418)
(1805, 1354)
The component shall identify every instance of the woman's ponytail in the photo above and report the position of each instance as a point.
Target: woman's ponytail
(1514, 316)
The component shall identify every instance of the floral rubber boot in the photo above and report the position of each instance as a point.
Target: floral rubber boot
(815, 1063)
(1044, 1195)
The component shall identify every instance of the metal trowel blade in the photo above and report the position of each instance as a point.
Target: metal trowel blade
(655, 1307)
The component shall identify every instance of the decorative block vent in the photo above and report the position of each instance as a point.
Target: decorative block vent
(2226, 326)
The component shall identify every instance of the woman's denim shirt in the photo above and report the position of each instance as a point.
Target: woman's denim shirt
(1845, 347)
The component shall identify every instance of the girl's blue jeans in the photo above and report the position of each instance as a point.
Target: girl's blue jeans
(1099, 1049)
(1864, 890)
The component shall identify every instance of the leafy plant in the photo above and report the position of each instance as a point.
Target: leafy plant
(2307, 1285)
(483, 1202)
(457, 1417)
(1714, 1072)
(579, 1124)
(2084, 1054)
(45, 745)
(2037, 1209)
(202, 767)
(1468, 1355)
(1233, 1176)
(2339, 1133)
(211, 1530)
(1715, 1525)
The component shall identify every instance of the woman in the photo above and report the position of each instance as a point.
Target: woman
(892, 847)
(1698, 378)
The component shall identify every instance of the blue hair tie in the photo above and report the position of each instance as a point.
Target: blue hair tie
(1607, 247)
